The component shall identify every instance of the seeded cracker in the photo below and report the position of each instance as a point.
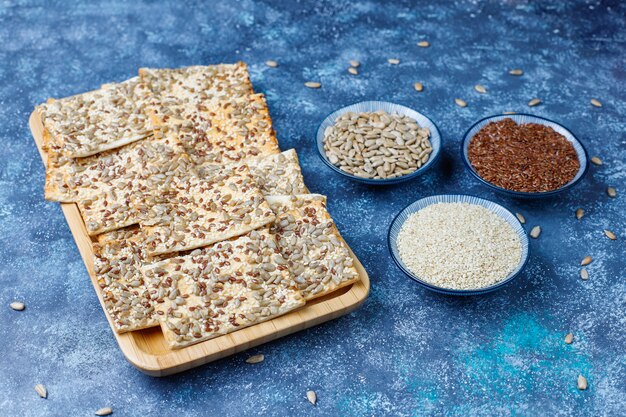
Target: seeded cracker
(278, 174)
(240, 128)
(112, 186)
(220, 289)
(96, 121)
(58, 169)
(308, 239)
(221, 120)
(194, 212)
(117, 262)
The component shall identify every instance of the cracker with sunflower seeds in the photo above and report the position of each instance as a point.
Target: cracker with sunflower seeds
(97, 121)
(193, 212)
(308, 239)
(221, 288)
(117, 262)
(277, 174)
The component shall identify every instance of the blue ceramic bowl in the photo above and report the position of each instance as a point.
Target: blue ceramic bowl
(527, 118)
(505, 214)
(372, 106)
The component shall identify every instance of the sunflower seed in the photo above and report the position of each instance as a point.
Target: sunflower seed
(584, 274)
(535, 232)
(423, 44)
(516, 72)
(353, 71)
(569, 338)
(596, 160)
(596, 103)
(312, 397)
(41, 391)
(17, 306)
(105, 411)
(509, 112)
(418, 86)
(610, 234)
(520, 217)
(312, 84)
(256, 358)
(393, 61)
(586, 260)
(582, 383)
(481, 89)
(580, 213)
(459, 102)
(354, 63)
(272, 64)
(611, 192)
(534, 102)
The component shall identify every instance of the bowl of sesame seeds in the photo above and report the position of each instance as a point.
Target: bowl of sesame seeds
(458, 244)
(377, 142)
(523, 155)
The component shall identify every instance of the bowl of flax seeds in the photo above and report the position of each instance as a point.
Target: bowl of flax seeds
(524, 155)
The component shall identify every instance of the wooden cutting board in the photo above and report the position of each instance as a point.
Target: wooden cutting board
(146, 349)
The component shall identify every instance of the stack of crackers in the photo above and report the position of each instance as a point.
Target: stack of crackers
(200, 224)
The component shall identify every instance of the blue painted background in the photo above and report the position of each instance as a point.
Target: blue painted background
(407, 351)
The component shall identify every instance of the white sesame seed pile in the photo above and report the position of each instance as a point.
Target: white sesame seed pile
(459, 246)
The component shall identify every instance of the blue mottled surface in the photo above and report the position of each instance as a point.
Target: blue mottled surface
(406, 351)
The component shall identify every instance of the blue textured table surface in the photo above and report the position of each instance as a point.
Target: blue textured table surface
(406, 351)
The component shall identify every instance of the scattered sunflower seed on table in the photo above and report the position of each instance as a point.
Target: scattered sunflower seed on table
(520, 217)
(377, 145)
(354, 63)
(611, 192)
(17, 306)
(569, 338)
(41, 391)
(255, 359)
(586, 260)
(584, 274)
(580, 213)
(312, 397)
(104, 411)
(312, 84)
(460, 102)
(610, 234)
(582, 383)
(481, 89)
(596, 160)
(535, 232)
(423, 44)
(353, 71)
(272, 64)
(516, 72)
(534, 102)
(418, 86)
(596, 103)
(393, 61)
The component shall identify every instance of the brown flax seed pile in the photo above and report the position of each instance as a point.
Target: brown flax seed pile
(523, 157)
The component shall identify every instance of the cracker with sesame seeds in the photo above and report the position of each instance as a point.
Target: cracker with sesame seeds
(117, 262)
(308, 239)
(277, 174)
(221, 288)
(194, 212)
(97, 121)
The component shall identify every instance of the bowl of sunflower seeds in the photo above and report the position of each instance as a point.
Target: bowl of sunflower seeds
(377, 142)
